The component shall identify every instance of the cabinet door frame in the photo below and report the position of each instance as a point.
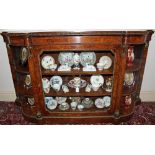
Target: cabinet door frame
(119, 70)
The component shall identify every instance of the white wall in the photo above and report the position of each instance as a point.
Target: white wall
(149, 74)
(7, 89)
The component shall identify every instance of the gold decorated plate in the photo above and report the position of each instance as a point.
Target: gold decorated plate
(24, 55)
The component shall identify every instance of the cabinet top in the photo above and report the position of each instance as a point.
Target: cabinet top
(72, 33)
(87, 37)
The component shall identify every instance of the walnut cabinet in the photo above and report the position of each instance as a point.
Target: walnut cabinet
(26, 51)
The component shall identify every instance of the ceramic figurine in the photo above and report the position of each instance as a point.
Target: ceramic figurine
(65, 89)
(128, 100)
(108, 83)
(88, 88)
(76, 59)
(27, 82)
(130, 56)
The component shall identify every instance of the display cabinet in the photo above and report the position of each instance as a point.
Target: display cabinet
(77, 77)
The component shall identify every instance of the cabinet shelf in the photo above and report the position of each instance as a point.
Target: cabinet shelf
(77, 72)
(100, 92)
(24, 91)
(93, 109)
(135, 67)
(23, 70)
(129, 91)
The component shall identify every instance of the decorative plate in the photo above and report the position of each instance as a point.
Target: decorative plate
(99, 103)
(97, 80)
(56, 80)
(24, 55)
(28, 80)
(66, 58)
(64, 106)
(47, 62)
(87, 58)
(87, 102)
(50, 103)
(73, 84)
(107, 101)
(106, 60)
(129, 79)
(61, 100)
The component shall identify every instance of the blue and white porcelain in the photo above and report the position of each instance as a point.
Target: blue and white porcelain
(87, 58)
(64, 106)
(48, 62)
(107, 101)
(96, 81)
(105, 61)
(56, 82)
(66, 58)
(46, 85)
(99, 103)
(50, 103)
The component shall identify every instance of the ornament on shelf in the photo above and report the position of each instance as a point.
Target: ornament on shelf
(27, 82)
(76, 59)
(130, 56)
(77, 83)
(128, 100)
(24, 53)
(108, 83)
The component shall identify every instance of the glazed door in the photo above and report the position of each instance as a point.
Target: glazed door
(115, 72)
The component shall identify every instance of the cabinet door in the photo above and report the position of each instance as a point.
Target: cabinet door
(115, 72)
